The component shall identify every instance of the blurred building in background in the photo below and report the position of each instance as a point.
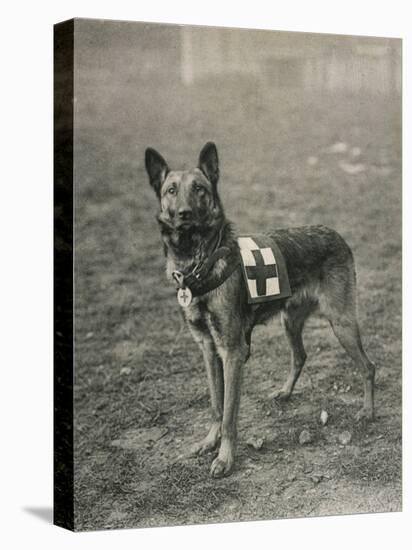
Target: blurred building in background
(187, 54)
(292, 60)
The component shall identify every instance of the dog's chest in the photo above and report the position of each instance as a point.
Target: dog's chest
(202, 317)
(197, 313)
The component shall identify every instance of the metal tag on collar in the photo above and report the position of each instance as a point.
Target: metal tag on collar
(184, 296)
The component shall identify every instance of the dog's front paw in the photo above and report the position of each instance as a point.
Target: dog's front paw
(209, 442)
(203, 447)
(221, 467)
(280, 395)
(364, 414)
(223, 464)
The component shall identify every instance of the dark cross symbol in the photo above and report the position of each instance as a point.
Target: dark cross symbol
(184, 296)
(260, 272)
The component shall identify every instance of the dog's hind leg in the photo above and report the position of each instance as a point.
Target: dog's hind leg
(214, 371)
(347, 332)
(339, 306)
(293, 319)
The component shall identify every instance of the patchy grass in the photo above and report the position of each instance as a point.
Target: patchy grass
(136, 372)
(381, 465)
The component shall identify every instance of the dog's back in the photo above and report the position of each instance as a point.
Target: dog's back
(319, 264)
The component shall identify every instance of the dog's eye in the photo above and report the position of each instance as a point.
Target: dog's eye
(198, 188)
(172, 190)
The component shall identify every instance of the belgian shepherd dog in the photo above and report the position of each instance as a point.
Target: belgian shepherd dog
(202, 251)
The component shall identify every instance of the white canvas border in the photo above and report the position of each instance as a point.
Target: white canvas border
(26, 281)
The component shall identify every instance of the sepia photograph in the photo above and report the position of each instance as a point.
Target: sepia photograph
(234, 218)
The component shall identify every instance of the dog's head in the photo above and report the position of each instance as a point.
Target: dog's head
(188, 199)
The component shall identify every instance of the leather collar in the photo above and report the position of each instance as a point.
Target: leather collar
(198, 279)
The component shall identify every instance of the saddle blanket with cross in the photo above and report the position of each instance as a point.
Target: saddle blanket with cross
(264, 269)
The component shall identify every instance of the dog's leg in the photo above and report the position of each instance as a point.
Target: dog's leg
(214, 372)
(347, 332)
(293, 320)
(233, 360)
(338, 303)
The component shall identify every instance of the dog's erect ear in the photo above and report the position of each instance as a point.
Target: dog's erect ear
(157, 169)
(209, 162)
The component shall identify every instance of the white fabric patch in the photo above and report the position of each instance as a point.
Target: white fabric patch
(247, 243)
(272, 286)
(247, 257)
(268, 257)
(252, 287)
(266, 279)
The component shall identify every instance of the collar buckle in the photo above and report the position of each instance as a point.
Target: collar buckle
(179, 278)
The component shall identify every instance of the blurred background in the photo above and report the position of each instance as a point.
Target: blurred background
(185, 54)
(308, 129)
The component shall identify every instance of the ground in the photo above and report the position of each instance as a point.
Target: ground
(287, 158)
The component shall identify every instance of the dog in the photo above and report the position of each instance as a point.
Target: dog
(202, 252)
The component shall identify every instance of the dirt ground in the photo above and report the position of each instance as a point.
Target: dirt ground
(140, 387)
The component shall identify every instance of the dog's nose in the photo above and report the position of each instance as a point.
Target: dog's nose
(185, 213)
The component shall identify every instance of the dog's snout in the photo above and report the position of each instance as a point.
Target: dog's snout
(185, 213)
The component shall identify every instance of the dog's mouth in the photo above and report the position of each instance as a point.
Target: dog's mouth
(185, 225)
